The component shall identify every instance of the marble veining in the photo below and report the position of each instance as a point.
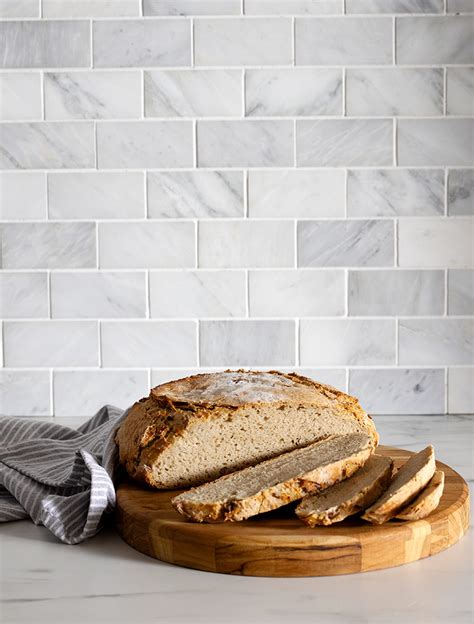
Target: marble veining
(92, 95)
(460, 91)
(197, 294)
(188, 93)
(245, 143)
(190, 194)
(345, 142)
(296, 193)
(388, 391)
(293, 92)
(50, 245)
(461, 192)
(135, 43)
(345, 243)
(435, 141)
(353, 342)
(394, 6)
(291, 293)
(396, 293)
(42, 145)
(241, 343)
(23, 295)
(395, 192)
(128, 343)
(394, 91)
(436, 341)
(461, 291)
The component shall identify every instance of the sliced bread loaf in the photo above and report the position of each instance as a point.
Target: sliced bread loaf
(196, 429)
(405, 486)
(426, 501)
(275, 482)
(348, 497)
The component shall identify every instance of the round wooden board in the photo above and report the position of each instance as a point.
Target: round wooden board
(278, 544)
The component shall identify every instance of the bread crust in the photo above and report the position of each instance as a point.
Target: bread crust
(389, 505)
(236, 510)
(427, 501)
(155, 422)
(356, 503)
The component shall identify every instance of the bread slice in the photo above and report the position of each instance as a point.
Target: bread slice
(407, 483)
(426, 501)
(196, 429)
(275, 482)
(349, 496)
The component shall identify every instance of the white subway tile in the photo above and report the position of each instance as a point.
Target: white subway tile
(436, 341)
(91, 8)
(296, 193)
(24, 393)
(92, 95)
(461, 390)
(148, 343)
(396, 293)
(394, 91)
(146, 245)
(197, 294)
(120, 388)
(20, 8)
(434, 40)
(348, 242)
(240, 41)
(51, 343)
(293, 7)
(245, 143)
(395, 192)
(21, 96)
(187, 93)
(461, 192)
(436, 243)
(402, 391)
(23, 295)
(245, 244)
(40, 145)
(435, 141)
(344, 142)
(461, 292)
(460, 6)
(191, 7)
(96, 195)
(44, 44)
(142, 43)
(191, 194)
(296, 92)
(348, 41)
(460, 91)
(299, 292)
(145, 144)
(394, 6)
(50, 245)
(102, 294)
(338, 342)
(22, 195)
(247, 342)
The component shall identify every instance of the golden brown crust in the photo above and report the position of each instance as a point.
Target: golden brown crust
(153, 423)
(272, 497)
(427, 501)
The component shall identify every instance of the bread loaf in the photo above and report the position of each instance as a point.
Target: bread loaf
(348, 497)
(427, 501)
(196, 429)
(275, 482)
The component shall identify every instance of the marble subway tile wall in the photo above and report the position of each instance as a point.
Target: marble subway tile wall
(191, 185)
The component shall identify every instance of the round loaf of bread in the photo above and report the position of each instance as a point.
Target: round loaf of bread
(199, 428)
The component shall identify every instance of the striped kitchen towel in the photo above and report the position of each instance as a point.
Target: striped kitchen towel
(59, 477)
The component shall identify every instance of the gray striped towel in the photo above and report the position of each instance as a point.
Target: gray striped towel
(59, 477)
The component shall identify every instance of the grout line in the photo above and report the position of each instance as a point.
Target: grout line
(40, 2)
(242, 7)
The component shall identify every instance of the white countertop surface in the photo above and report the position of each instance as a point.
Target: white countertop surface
(104, 580)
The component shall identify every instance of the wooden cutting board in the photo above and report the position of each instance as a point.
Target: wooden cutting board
(278, 544)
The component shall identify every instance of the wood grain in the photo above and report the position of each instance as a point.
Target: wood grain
(278, 544)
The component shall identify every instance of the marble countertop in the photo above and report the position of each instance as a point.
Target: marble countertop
(104, 580)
